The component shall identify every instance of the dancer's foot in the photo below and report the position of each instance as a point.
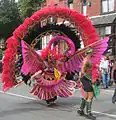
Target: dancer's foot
(80, 112)
(90, 116)
(51, 103)
(47, 102)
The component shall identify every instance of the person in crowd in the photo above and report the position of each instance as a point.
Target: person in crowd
(105, 71)
(111, 66)
(113, 78)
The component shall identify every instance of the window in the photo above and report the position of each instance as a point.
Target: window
(107, 6)
(70, 4)
(84, 10)
(82, 44)
(84, 2)
(43, 22)
(84, 7)
(44, 42)
(103, 31)
(16, 0)
(108, 30)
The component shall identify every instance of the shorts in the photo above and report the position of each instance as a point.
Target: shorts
(86, 84)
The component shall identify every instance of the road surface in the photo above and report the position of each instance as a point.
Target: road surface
(19, 104)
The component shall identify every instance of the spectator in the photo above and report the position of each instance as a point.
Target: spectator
(105, 71)
(111, 66)
(113, 73)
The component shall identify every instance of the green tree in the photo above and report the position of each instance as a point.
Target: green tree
(28, 7)
(9, 17)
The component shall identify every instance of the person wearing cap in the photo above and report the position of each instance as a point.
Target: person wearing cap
(85, 79)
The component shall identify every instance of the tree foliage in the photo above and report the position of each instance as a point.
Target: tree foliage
(28, 7)
(9, 17)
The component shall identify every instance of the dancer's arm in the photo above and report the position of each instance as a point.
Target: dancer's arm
(36, 74)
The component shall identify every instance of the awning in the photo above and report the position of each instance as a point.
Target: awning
(103, 19)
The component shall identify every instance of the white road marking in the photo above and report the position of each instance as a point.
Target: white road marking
(110, 115)
(17, 95)
(31, 98)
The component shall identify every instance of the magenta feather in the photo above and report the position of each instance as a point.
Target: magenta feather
(76, 60)
(32, 61)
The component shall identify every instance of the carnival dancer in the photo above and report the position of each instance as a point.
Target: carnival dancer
(34, 77)
(50, 63)
(85, 78)
(50, 80)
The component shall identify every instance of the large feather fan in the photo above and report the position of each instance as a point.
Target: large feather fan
(75, 61)
(32, 62)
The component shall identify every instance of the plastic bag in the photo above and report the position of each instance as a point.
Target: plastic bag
(96, 90)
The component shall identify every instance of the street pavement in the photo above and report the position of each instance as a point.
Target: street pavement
(19, 104)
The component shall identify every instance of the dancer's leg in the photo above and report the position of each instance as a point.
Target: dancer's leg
(89, 105)
(51, 100)
(82, 104)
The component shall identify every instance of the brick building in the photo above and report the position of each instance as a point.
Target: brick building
(103, 16)
(61, 45)
(101, 12)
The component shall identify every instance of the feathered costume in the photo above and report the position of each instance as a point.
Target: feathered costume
(51, 82)
(49, 67)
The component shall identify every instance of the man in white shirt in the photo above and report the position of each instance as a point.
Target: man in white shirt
(105, 71)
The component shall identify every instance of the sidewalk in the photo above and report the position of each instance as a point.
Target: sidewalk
(109, 87)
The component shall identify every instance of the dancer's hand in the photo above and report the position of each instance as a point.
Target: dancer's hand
(36, 74)
(93, 82)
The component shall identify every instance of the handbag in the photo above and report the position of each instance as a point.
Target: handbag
(96, 90)
(105, 71)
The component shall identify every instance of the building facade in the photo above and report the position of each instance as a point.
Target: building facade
(101, 12)
(103, 16)
(61, 45)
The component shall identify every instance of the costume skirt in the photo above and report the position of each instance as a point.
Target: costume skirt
(87, 84)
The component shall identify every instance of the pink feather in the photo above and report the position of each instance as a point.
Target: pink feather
(98, 49)
(32, 61)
